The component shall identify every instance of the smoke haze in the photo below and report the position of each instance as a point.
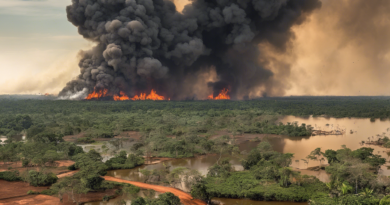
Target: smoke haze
(342, 49)
(144, 45)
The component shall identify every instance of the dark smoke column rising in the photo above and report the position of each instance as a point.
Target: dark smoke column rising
(147, 44)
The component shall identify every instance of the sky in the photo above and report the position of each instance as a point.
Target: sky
(38, 46)
(341, 49)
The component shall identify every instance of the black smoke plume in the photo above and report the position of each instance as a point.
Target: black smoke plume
(147, 44)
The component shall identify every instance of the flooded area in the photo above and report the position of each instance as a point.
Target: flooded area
(362, 129)
(252, 202)
(108, 149)
(126, 199)
(354, 131)
(300, 146)
(201, 164)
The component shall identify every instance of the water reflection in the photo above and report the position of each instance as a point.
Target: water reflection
(126, 200)
(361, 130)
(356, 130)
(252, 202)
(201, 164)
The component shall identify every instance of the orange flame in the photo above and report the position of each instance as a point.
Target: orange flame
(122, 96)
(152, 96)
(223, 95)
(97, 94)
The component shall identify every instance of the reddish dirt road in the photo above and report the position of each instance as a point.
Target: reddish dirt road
(185, 198)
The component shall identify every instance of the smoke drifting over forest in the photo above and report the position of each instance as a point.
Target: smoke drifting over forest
(211, 45)
(342, 49)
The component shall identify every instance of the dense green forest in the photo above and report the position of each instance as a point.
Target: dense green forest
(367, 107)
(187, 129)
(106, 118)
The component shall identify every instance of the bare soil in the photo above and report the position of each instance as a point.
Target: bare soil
(16, 193)
(59, 167)
(64, 163)
(73, 138)
(129, 134)
(32, 200)
(16, 189)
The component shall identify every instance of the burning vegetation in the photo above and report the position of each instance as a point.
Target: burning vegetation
(149, 44)
(95, 95)
(122, 96)
(223, 95)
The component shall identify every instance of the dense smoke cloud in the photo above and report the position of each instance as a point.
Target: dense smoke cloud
(341, 49)
(145, 44)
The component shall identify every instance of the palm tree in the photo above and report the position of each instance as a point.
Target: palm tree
(285, 174)
(367, 192)
(344, 188)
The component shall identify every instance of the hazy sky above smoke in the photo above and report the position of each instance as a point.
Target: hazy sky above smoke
(342, 49)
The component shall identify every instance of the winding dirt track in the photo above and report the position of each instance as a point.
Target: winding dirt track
(185, 198)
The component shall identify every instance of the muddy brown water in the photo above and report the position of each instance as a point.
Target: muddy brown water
(299, 146)
(252, 202)
(362, 129)
(123, 199)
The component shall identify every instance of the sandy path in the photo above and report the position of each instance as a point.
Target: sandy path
(185, 198)
(64, 163)
(67, 174)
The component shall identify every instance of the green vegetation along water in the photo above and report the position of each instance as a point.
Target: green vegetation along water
(186, 129)
(362, 129)
(299, 146)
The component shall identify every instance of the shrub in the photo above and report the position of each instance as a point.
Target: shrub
(41, 178)
(385, 200)
(107, 198)
(49, 192)
(10, 176)
(72, 167)
(167, 198)
(123, 162)
(31, 192)
(25, 162)
(85, 140)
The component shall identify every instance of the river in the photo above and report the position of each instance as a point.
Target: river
(362, 129)
(299, 146)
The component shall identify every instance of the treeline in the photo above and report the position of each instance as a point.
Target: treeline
(367, 107)
(54, 119)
